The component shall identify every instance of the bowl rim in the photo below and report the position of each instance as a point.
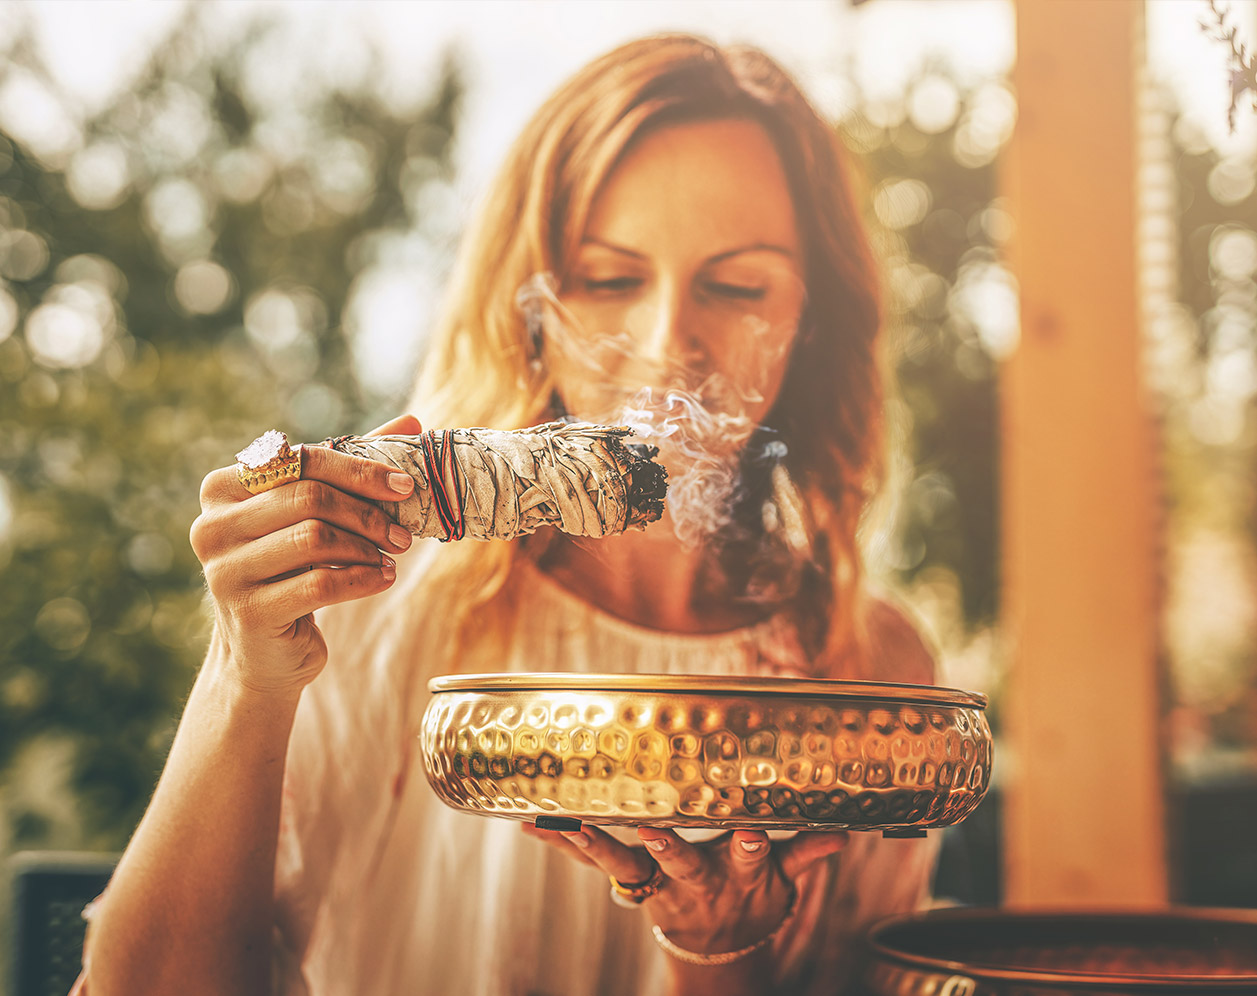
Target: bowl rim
(701, 684)
(877, 944)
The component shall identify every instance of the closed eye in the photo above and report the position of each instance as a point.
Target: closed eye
(612, 285)
(736, 292)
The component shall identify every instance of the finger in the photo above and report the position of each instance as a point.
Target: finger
(351, 474)
(282, 602)
(309, 543)
(749, 851)
(304, 500)
(799, 853)
(678, 859)
(368, 478)
(625, 864)
(403, 425)
(223, 485)
(558, 842)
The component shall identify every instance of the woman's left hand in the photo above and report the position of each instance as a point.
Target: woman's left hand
(718, 896)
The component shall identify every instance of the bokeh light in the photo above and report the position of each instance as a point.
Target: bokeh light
(70, 328)
(99, 175)
(902, 202)
(63, 624)
(933, 104)
(32, 114)
(178, 213)
(6, 510)
(203, 287)
(8, 313)
(23, 255)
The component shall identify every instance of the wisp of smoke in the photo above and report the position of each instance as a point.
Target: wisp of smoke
(701, 428)
(701, 449)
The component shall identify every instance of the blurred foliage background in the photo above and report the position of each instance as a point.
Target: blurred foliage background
(203, 257)
(181, 272)
(1203, 362)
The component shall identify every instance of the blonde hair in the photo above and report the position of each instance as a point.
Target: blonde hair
(481, 368)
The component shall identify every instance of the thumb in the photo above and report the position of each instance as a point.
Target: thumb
(403, 425)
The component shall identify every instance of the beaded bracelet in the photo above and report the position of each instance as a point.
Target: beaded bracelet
(725, 957)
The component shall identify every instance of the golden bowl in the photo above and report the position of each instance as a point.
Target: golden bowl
(695, 751)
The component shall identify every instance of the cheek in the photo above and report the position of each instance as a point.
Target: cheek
(773, 379)
(574, 384)
(756, 366)
(589, 389)
(588, 338)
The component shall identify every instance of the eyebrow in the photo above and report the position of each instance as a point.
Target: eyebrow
(613, 247)
(756, 247)
(719, 257)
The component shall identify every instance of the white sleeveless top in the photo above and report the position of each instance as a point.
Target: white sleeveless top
(382, 890)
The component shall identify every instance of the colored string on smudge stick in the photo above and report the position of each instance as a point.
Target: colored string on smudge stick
(451, 513)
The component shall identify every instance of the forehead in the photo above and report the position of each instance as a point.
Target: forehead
(704, 184)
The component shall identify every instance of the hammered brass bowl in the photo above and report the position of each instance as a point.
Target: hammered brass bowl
(691, 751)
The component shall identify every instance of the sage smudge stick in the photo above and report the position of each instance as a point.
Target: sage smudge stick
(581, 478)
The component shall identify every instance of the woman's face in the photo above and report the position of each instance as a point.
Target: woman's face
(689, 278)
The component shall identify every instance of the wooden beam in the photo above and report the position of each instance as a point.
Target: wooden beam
(1084, 816)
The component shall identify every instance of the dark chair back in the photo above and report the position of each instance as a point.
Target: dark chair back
(50, 889)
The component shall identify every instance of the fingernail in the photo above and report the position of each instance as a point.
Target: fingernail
(399, 536)
(388, 568)
(578, 837)
(656, 843)
(752, 845)
(402, 484)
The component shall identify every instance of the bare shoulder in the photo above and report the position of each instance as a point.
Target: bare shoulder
(897, 651)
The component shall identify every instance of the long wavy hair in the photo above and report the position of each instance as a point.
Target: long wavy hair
(482, 368)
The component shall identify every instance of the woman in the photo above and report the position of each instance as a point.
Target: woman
(677, 216)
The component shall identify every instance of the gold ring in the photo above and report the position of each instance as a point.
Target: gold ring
(638, 892)
(268, 462)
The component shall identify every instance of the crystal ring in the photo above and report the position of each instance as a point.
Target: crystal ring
(268, 462)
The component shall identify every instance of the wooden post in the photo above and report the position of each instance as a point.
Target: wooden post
(1084, 821)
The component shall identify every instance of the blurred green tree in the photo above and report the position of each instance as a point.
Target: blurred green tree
(929, 156)
(183, 271)
(1205, 362)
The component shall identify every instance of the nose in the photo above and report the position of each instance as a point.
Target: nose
(665, 334)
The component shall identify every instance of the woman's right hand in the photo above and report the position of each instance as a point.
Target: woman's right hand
(271, 559)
